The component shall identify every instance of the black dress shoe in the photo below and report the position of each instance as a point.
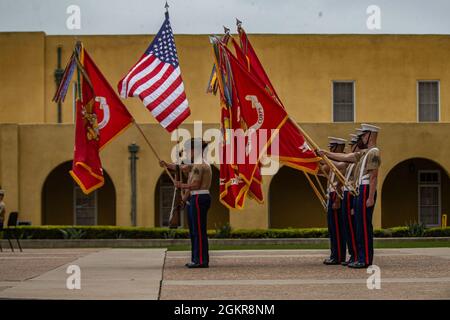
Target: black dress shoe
(346, 263)
(357, 265)
(197, 265)
(330, 262)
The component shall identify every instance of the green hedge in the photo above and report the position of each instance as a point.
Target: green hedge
(99, 232)
(113, 232)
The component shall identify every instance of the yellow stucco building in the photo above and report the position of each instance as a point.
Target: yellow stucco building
(328, 83)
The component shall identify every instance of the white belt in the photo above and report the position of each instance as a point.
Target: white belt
(365, 179)
(351, 189)
(195, 192)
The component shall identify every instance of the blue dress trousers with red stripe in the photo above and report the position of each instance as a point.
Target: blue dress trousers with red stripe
(364, 227)
(336, 230)
(199, 205)
(350, 226)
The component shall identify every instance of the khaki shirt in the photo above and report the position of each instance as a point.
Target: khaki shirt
(203, 173)
(373, 161)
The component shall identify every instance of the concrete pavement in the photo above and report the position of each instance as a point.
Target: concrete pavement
(300, 274)
(239, 274)
(105, 274)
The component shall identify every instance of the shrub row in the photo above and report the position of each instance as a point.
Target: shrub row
(113, 232)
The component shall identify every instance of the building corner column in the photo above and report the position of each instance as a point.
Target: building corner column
(9, 166)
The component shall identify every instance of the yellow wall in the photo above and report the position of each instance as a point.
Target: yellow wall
(22, 68)
(385, 69)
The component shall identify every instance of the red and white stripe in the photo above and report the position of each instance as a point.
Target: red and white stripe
(160, 87)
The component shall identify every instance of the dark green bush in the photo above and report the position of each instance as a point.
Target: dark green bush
(437, 232)
(72, 233)
(416, 229)
(223, 231)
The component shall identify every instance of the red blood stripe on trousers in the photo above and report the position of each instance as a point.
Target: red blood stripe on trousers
(366, 242)
(170, 89)
(337, 230)
(199, 229)
(157, 84)
(349, 214)
(174, 124)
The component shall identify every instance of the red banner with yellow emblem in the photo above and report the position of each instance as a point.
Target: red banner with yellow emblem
(100, 117)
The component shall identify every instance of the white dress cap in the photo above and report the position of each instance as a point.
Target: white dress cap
(334, 140)
(369, 127)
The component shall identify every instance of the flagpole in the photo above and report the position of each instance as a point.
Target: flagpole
(74, 102)
(320, 185)
(153, 149)
(316, 191)
(324, 157)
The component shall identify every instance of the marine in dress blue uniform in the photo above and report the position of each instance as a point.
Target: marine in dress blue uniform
(335, 221)
(348, 215)
(367, 161)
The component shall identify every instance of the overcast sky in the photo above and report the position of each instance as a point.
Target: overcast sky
(208, 16)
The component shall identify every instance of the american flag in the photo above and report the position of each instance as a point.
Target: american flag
(156, 80)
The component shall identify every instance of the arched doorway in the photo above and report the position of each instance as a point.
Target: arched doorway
(218, 215)
(293, 203)
(415, 191)
(63, 202)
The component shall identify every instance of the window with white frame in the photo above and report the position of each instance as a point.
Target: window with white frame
(430, 197)
(428, 101)
(343, 101)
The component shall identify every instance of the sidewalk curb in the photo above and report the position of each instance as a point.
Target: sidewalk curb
(161, 243)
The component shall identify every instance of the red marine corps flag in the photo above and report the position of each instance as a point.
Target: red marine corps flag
(290, 151)
(100, 116)
(234, 187)
(254, 106)
(259, 110)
